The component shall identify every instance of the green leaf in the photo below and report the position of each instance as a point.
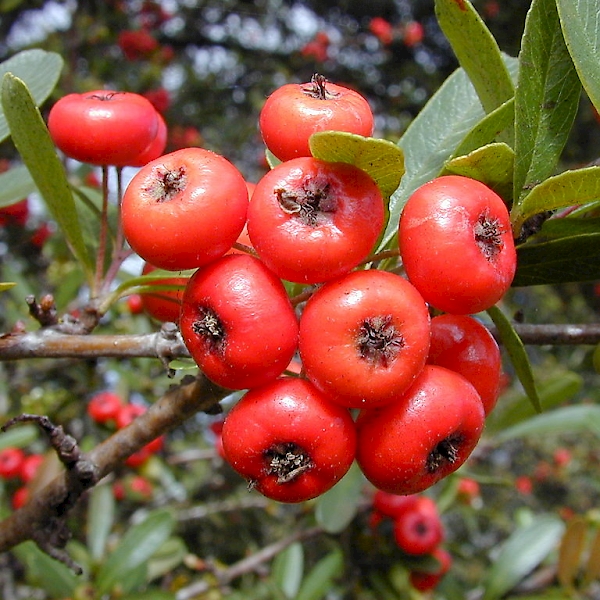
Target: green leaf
(562, 260)
(524, 550)
(39, 70)
(319, 581)
(432, 137)
(168, 557)
(7, 285)
(338, 506)
(101, 513)
(488, 129)
(570, 553)
(546, 99)
(569, 419)
(491, 164)
(15, 184)
(58, 580)
(18, 437)
(569, 227)
(32, 140)
(150, 595)
(592, 567)
(476, 50)
(135, 549)
(579, 22)
(556, 390)
(381, 159)
(288, 568)
(578, 186)
(517, 354)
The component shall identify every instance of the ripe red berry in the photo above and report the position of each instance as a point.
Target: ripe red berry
(20, 497)
(30, 467)
(11, 462)
(364, 338)
(312, 220)
(15, 214)
(456, 244)
(392, 505)
(419, 530)
(238, 323)
(421, 437)
(295, 111)
(126, 413)
(103, 127)
(288, 440)
(428, 580)
(185, 209)
(462, 344)
(104, 406)
(163, 305)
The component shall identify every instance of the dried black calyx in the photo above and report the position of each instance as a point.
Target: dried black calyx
(287, 461)
(379, 341)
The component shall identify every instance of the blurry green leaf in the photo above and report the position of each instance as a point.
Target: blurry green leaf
(561, 260)
(18, 437)
(476, 50)
(381, 159)
(39, 70)
(32, 140)
(135, 549)
(319, 580)
(592, 567)
(150, 595)
(288, 569)
(488, 129)
(578, 186)
(15, 184)
(6, 285)
(579, 22)
(558, 389)
(169, 556)
(572, 419)
(517, 354)
(337, 507)
(546, 99)
(491, 164)
(58, 580)
(101, 513)
(570, 552)
(524, 550)
(432, 137)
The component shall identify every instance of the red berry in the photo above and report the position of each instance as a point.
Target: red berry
(30, 467)
(11, 462)
(127, 413)
(104, 406)
(419, 530)
(425, 581)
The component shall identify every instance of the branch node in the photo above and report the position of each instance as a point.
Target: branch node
(43, 312)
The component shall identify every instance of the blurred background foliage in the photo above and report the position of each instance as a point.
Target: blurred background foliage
(208, 66)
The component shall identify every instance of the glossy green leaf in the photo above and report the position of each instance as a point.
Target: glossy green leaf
(579, 22)
(560, 260)
(15, 184)
(572, 419)
(476, 50)
(32, 140)
(546, 99)
(39, 70)
(101, 513)
(491, 126)
(432, 137)
(578, 186)
(58, 580)
(381, 159)
(570, 552)
(319, 580)
(517, 354)
(524, 550)
(137, 546)
(569, 227)
(288, 569)
(19, 436)
(491, 164)
(559, 388)
(338, 506)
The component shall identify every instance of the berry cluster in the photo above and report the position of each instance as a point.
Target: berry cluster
(18, 466)
(364, 336)
(417, 531)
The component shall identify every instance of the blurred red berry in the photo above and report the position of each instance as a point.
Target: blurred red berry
(524, 485)
(127, 413)
(41, 235)
(491, 9)
(425, 581)
(468, 490)
(105, 406)
(11, 462)
(419, 529)
(315, 50)
(30, 467)
(562, 457)
(20, 497)
(159, 98)
(392, 505)
(137, 45)
(382, 30)
(413, 33)
(16, 214)
(135, 304)
(184, 137)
